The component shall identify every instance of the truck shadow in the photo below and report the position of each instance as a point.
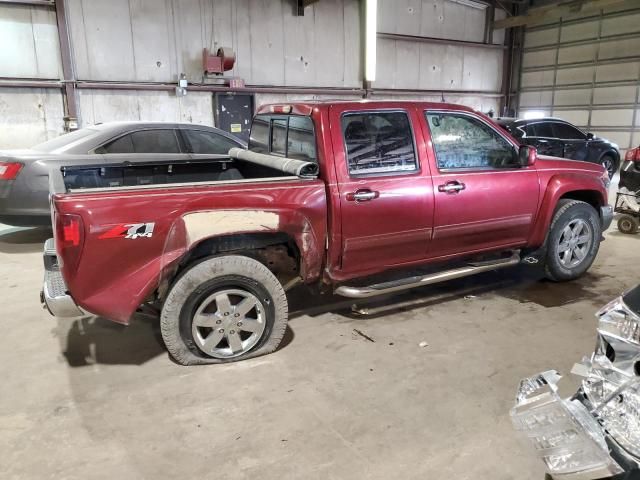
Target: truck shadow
(23, 240)
(95, 340)
(523, 284)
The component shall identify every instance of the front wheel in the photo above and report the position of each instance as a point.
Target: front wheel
(573, 240)
(224, 309)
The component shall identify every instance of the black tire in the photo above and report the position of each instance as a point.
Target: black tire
(628, 224)
(567, 212)
(203, 280)
(609, 162)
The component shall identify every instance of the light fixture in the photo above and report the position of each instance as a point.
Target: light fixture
(371, 28)
(531, 114)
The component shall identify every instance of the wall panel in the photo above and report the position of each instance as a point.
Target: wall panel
(29, 116)
(157, 40)
(99, 106)
(29, 39)
(594, 82)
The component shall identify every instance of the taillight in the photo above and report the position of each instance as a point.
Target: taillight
(9, 170)
(69, 239)
(633, 155)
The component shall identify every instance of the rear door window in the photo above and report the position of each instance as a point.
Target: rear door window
(204, 142)
(155, 141)
(567, 132)
(542, 129)
(379, 142)
(290, 136)
(144, 141)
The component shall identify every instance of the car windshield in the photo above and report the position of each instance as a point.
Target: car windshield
(58, 144)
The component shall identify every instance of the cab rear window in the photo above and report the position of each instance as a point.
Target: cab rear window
(290, 136)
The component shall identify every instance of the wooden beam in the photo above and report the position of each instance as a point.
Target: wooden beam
(571, 8)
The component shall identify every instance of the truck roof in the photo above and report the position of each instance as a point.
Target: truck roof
(306, 107)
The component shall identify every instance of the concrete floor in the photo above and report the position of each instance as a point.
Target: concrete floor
(92, 399)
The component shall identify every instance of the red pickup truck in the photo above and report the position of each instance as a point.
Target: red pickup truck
(361, 198)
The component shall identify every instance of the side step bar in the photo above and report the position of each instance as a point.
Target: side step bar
(413, 282)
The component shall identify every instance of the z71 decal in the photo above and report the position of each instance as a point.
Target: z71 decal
(130, 231)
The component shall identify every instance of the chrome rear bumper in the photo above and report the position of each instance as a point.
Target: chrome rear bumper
(54, 293)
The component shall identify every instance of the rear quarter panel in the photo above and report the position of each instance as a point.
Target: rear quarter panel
(115, 275)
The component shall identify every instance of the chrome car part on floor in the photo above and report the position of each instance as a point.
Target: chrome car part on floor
(595, 433)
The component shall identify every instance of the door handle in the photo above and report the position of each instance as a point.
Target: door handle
(362, 195)
(452, 187)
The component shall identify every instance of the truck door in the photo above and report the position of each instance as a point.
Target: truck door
(484, 199)
(385, 189)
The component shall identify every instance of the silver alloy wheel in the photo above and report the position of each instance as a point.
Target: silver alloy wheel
(575, 243)
(228, 323)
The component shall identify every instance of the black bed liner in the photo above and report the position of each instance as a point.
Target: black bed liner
(161, 172)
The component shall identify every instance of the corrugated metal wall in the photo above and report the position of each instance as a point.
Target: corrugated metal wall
(586, 71)
(157, 40)
(421, 64)
(30, 49)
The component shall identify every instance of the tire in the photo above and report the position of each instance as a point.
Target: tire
(628, 224)
(568, 257)
(195, 311)
(610, 164)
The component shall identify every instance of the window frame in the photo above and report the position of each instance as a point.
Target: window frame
(397, 173)
(176, 133)
(469, 169)
(287, 116)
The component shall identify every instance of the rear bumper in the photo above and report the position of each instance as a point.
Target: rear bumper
(606, 215)
(54, 293)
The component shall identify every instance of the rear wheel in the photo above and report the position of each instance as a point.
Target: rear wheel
(573, 240)
(610, 164)
(628, 224)
(224, 309)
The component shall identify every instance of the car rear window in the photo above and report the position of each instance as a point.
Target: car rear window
(59, 144)
(290, 136)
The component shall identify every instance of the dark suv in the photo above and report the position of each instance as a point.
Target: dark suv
(555, 137)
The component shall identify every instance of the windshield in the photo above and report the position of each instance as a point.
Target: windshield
(58, 144)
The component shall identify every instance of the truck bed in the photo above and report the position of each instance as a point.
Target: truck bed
(178, 216)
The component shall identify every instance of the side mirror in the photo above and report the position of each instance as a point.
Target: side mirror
(527, 155)
(589, 136)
